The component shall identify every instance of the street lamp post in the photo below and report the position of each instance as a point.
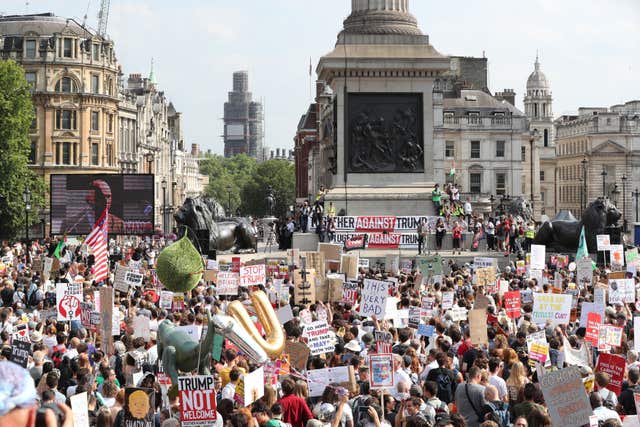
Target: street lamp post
(636, 194)
(149, 159)
(26, 198)
(604, 175)
(624, 203)
(614, 194)
(164, 206)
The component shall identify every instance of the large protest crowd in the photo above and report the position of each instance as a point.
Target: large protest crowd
(419, 341)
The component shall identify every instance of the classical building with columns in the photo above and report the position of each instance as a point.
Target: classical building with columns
(73, 73)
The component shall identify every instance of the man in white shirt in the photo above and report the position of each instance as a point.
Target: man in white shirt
(600, 411)
(229, 390)
(495, 366)
(601, 382)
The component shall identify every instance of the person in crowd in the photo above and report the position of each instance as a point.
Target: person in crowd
(470, 398)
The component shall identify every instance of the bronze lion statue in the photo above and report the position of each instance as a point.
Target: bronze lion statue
(213, 232)
(600, 217)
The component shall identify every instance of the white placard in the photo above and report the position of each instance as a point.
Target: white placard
(636, 333)
(141, 327)
(228, 283)
(212, 264)
(194, 331)
(551, 307)
(251, 275)
(320, 338)
(68, 299)
(166, 299)
(133, 279)
(603, 241)
(622, 290)
(80, 407)
(284, 314)
(374, 294)
(119, 276)
(538, 253)
(319, 379)
(447, 300)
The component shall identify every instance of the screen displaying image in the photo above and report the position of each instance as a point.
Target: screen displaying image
(77, 201)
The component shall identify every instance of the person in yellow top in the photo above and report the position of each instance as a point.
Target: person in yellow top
(231, 357)
(320, 196)
(529, 234)
(331, 211)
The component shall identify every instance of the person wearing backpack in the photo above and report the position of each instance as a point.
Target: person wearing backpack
(431, 398)
(525, 408)
(626, 401)
(495, 410)
(34, 295)
(444, 378)
(609, 398)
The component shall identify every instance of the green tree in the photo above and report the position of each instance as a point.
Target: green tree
(280, 175)
(227, 178)
(16, 115)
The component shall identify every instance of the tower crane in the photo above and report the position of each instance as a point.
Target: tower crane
(103, 18)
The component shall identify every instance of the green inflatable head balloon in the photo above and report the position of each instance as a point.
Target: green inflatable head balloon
(180, 266)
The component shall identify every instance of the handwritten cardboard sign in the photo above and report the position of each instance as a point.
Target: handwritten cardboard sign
(252, 275)
(614, 365)
(566, 398)
(478, 326)
(228, 283)
(551, 307)
(320, 338)
(68, 299)
(374, 294)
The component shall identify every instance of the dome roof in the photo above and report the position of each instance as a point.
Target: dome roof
(383, 17)
(537, 79)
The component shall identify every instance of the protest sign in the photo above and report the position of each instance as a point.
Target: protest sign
(80, 407)
(319, 379)
(134, 279)
(621, 291)
(636, 333)
(304, 286)
(197, 400)
(537, 347)
(503, 287)
(315, 261)
(119, 276)
(284, 314)
(512, 304)
(139, 407)
(426, 330)
(374, 294)
(46, 268)
(636, 402)
(430, 265)
(320, 339)
(68, 299)
(593, 327)
(212, 264)
(250, 387)
(482, 262)
(538, 253)
(551, 307)
(536, 274)
(414, 316)
(20, 350)
(86, 309)
(330, 251)
(334, 284)
(166, 299)
(447, 300)
(478, 326)
(384, 341)
(584, 272)
(349, 292)
(603, 241)
(614, 365)
(141, 327)
(252, 275)
(227, 284)
(106, 318)
(298, 353)
(458, 313)
(178, 302)
(613, 335)
(427, 306)
(631, 255)
(560, 261)
(616, 254)
(363, 262)
(193, 331)
(566, 397)
(349, 266)
(21, 332)
(392, 264)
(380, 370)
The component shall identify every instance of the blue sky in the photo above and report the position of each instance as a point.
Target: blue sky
(588, 49)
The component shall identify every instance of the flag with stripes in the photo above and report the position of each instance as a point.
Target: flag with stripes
(98, 242)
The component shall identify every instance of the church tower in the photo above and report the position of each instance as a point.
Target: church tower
(538, 105)
(540, 158)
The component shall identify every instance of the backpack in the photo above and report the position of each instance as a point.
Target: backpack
(441, 411)
(608, 402)
(445, 387)
(499, 413)
(35, 298)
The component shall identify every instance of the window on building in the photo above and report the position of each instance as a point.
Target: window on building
(31, 79)
(501, 183)
(541, 175)
(96, 52)
(34, 121)
(66, 119)
(475, 179)
(524, 187)
(94, 154)
(30, 49)
(95, 83)
(95, 121)
(110, 154)
(475, 149)
(474, 118)
(110, 123)
(67, 48)
(546, 137)
(66, 153)
(499, 148)
(33, 153)
(449, 149)
(66, 85)
(542, 196)
(523, 153)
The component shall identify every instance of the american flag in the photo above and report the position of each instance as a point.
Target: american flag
(98, 242)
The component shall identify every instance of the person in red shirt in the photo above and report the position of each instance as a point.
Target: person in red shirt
(457, 237)
(294, 409)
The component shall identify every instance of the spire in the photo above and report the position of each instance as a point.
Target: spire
(537, 63)
(151, 77)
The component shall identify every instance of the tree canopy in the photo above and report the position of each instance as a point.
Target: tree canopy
(16, 115)
(245, 181)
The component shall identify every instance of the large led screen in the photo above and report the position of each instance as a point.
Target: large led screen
(78, 200)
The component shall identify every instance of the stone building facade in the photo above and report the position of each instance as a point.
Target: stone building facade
(594, 141)
(73, 73)
(305, 141)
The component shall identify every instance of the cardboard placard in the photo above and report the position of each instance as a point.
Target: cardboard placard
(330, 251)
(139, 407)
(315, 261)
(349, 266)
(553, 307)
(106, 319)
(478, 326)
(335, 288)
(304, 291)
(228, 283)
(566, 398)
(299, 354)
